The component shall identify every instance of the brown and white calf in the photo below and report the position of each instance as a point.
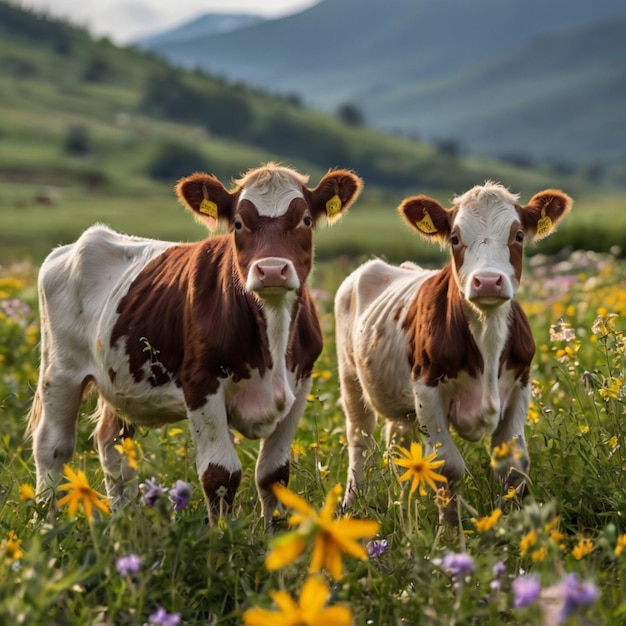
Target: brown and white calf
(430, 349)
(223, 332)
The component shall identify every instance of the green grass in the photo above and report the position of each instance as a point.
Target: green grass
(66, 572)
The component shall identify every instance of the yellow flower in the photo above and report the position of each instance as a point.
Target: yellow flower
(420, 468)
(26, 492)
(529, 540)
(533, 415)
(613, 441)
(309, 611)
(501, 451)
(621, 544)
(539, 555)
(485, 524)
(331, 536)
(11, 547)
(129, 449)
(582, 548)
(510, 494)
(79, 492)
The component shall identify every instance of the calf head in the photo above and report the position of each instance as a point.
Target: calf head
(271, 214)
(485, 231)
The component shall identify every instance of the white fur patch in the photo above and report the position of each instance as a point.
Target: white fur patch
(271, 201)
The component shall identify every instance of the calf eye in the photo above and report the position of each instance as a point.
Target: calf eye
(307, 220)
(454, 240)
(237, 225)
(519, 236)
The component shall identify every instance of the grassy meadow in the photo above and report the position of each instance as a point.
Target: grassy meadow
(556, 557)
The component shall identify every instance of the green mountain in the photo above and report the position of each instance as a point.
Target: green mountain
(534, 78)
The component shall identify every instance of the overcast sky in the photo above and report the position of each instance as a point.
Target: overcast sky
(125, 20)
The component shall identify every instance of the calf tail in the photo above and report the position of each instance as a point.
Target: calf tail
(34, 414)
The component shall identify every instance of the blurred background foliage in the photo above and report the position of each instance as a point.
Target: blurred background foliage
(90, 131)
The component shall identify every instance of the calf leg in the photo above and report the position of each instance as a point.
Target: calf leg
(273, 461)
(512, 469)
(53, 423)
(120, 479)
(360, 426)
(217, 462)
(431, 415)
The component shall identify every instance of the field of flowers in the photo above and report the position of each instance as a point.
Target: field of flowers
(556, 557)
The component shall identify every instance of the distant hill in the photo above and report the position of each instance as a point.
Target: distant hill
(541, 78)
(203, 26)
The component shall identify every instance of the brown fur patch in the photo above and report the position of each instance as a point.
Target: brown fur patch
(279, 475)
(220, 485)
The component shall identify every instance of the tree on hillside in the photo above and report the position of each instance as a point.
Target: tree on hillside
(351, 114)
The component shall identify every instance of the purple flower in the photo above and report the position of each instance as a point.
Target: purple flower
(180, 495)
(576, 593)
(498, 569)
(377, 548)
(526, 590)
(152, 491)
(128, 565)
(458, 564)
(161, 617)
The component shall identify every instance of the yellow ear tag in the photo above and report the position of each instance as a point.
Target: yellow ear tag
(426, 224)
(209, 208)
(333, 206)
(544, 225)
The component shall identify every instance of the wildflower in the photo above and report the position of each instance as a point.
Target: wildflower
(331, 537)
(526, 590)
(562, 331)
(377, 548)
(501, 451)
(511, 493)
(498, 571)
(556, 536)
(604, 323)
(612, 389)
(533, 415)
(576, 594)
(485, 524)
(128, 565)
(130, 450)
(621, 544)
(582, 549)
(613, 441)
(539, 555)
(527, 541)
(152, 491)
(79, 492)
(180, 494)
(11, 547)
(26, 492)
(420, 468)
(309, 611)
(161, 617)
(457, 564)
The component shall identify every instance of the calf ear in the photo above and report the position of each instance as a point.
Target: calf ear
(544, 212)
(334, 195)
(206, 197)
(427, 217)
